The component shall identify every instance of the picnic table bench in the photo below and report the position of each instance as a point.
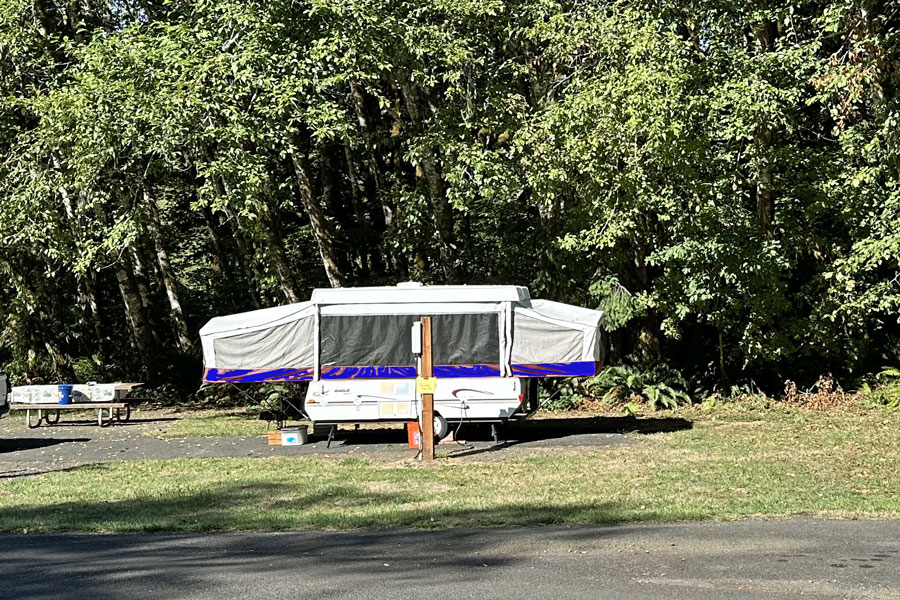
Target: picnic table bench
(49, 413)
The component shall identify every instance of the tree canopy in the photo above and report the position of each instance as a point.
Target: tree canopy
(722, 178)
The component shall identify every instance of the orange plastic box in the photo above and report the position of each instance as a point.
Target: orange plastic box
(413, 434)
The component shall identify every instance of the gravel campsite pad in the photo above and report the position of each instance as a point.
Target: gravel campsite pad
(77, 440)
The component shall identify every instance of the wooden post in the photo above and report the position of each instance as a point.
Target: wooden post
(427, 399)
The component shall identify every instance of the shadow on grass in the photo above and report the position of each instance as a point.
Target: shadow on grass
(278, 506)
(32, 469)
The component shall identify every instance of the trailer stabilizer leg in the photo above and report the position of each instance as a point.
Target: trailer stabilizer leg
(331, 433)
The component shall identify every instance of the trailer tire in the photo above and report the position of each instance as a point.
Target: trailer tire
(441, 427)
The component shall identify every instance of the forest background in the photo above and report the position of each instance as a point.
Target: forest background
(721, 177)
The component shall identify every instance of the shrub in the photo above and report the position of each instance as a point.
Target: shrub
(886, 391)
(660, 386)
(560, 395)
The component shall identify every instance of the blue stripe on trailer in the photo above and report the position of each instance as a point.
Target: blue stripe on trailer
(368, 372)
(256, 375)
(451, 371)
(562, 369)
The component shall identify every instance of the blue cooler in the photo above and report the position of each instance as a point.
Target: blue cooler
(65, 394)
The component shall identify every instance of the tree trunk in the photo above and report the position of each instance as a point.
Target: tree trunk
(369, 252)
(135, 313)
(320, 228)
(378, 198)
(168, 277)
(46, 312)
(87, 298)
(765, 191)
(86, 291)
(766, 34)
(374, 161)
(437, 189)
(722, 356)
(141, 279)
(272, 232)
(350, 225)
(219, 262)
(245, 257)
(61, 364)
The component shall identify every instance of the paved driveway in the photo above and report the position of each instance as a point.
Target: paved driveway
(750, 559)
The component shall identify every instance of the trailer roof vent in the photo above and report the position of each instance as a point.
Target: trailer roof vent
(410, 284)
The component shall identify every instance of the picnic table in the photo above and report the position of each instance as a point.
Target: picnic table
(49, 413)
(108, 398)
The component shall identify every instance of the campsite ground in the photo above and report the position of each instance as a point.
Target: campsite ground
(725, 462)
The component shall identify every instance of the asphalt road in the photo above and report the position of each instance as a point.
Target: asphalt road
(750, 559)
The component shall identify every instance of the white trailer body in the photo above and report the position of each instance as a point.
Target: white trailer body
(456, 399)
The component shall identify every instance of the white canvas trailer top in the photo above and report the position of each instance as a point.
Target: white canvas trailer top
(363, 333)
(411, 293)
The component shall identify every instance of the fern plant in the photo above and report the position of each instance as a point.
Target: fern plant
(660, 386)
(887, 392)
(560, 396)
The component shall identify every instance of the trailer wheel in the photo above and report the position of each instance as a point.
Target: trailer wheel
(441, 427)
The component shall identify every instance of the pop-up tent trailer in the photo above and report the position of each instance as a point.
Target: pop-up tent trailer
(354, 345)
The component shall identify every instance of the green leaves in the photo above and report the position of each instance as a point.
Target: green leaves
(721, 180)
(661, 387)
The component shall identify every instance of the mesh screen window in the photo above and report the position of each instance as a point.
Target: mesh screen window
(384, 340)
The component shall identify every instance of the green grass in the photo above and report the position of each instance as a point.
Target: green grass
(731, 464)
